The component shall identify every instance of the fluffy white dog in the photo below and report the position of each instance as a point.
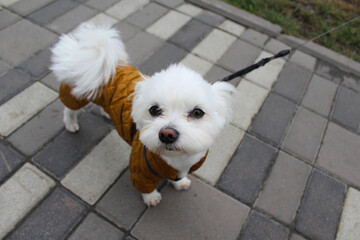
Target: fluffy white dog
(170, 119)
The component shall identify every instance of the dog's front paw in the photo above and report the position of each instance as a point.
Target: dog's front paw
(152, 199)
(72, 127)
(182, 184)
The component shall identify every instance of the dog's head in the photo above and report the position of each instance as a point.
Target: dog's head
(176, 110)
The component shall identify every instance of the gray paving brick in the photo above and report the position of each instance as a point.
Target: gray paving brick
(71, 19)
(241, 54)
(24, 39)
(320, 95)
(327, 71)
(12, 83)
(295, 236)
(305, 134)
(122, 204)
(321, 207)
(284, 188)
(340, 153)
(68, 148)
(254, 37)
(352, 82)
(38, 65)
(147, 16)
(4, 68)
(190, 215)
(274, 46)
(171, 4)
(273, 118)
(217, 73)
(347, 109)
(94, 228)
(130, 238)
(292, 81)
(50, 81)
(260, 227)
(303, 60)
(127, 31)
(10, 161)
(166, 55)
(210, 18)
(25, 7)
(7, 18)
(140, 52)
(39, 130)
(246, 171)
(54, 218)
(51, 11)
(101, 5)
(190, 34)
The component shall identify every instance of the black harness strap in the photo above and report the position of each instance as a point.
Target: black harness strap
(153, 171)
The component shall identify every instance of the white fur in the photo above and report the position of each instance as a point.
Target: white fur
(152, 199)
(70, 120)
(182, 184)
(177, 91)
(87, 58)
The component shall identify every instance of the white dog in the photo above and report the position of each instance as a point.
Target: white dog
(170, 119)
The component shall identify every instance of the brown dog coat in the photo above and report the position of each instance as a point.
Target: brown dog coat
(146, 168)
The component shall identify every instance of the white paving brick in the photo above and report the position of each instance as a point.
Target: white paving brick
(197, 64)
(266, 75)
(20, 194)
(231, 27)
(99, 169)
(189, 9)
(214, 45)
(23, 106)
(124, 8)
(167, 25)
(220, 154)
(101, 19)
(7, 3)
(246, 103)
(349, 227)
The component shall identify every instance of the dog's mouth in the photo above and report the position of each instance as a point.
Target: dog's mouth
(170, 147)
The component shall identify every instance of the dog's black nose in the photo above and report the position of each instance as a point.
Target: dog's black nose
(168, 135)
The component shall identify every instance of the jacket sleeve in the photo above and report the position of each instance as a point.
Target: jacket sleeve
(69, 100)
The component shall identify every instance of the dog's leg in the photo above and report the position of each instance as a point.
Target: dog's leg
(182, 184)
(104, 114)
(70, 120)
(152, 199)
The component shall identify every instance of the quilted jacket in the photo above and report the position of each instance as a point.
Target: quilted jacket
(116, 99)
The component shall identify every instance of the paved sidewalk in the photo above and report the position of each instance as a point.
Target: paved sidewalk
(287, 167)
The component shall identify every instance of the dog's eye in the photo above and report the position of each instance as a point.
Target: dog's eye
(197, 113)
(155, 111)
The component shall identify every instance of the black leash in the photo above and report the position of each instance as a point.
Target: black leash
(282, 53)
(260, 63)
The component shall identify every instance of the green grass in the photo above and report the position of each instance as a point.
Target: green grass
(308, 18)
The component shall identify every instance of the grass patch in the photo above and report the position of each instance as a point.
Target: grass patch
(308, 18)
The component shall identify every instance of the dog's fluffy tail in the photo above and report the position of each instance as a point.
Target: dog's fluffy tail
(87, 59)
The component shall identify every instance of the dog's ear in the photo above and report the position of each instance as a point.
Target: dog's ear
(139, 101)
(223, 99)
